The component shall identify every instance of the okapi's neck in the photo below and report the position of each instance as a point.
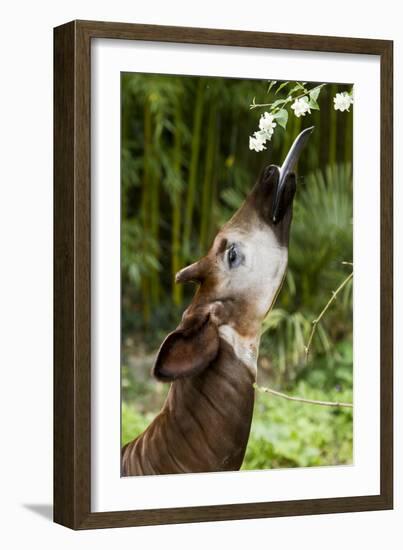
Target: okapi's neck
(205, 423)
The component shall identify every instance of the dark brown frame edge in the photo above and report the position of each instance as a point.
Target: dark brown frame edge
(72, 296)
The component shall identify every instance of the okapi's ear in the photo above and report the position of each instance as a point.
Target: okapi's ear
(188, 350)
(192, 273)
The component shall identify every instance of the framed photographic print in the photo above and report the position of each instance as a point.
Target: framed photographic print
(222, 276)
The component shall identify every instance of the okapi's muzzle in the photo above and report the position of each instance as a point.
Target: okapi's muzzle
(287, 169)
(272, 196)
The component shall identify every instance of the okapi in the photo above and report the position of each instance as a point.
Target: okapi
(211, 358)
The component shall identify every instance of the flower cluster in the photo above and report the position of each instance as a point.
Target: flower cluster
(300, 100)
(301, 107)
(342, 101)
(266, 129)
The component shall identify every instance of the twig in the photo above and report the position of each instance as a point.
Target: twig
(284, 101)
(321, 314)
(302, 399)
(307, 348)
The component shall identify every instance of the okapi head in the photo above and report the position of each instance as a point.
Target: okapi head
(239, 277)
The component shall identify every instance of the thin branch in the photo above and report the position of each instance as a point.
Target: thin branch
(307, 348)
(302, 399)
(284, 102)
(321, 314)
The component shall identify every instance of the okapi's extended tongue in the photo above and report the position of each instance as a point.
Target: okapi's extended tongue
(289, 165)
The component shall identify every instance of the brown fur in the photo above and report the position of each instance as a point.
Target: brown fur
(205, 422)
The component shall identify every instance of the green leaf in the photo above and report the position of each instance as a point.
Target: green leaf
(297, 87)
(283, 85)
(313, 104)
(278, 102)
(281, 117)
(314, 93)
(272, 83)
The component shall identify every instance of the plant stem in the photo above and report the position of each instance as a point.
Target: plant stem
(321, 314)
(286, 100)
(302, 399)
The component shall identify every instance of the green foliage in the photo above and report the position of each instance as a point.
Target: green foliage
(133, 422)
(321, 239)
(281, 117)
(186, 167)
(298, 90)
(288, 434)
(284, 433)
(285, 334)
(138, 252)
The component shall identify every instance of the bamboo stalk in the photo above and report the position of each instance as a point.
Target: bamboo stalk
(126, 109)
(154, 232)
(332, 127)
(348, 138)
(208, 180)
(177, 290)
(193, 171)
(145, 200)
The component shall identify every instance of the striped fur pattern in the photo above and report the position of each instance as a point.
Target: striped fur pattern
(204, 424)
(210, 358)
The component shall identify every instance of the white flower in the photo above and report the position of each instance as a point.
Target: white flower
(259, 138)
(267, 124)
(301, 107)
(342, 101)
(257, 141)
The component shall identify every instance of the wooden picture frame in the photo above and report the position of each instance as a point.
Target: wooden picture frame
(72, 271)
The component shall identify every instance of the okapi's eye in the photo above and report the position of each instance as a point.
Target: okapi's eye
(234, 256)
